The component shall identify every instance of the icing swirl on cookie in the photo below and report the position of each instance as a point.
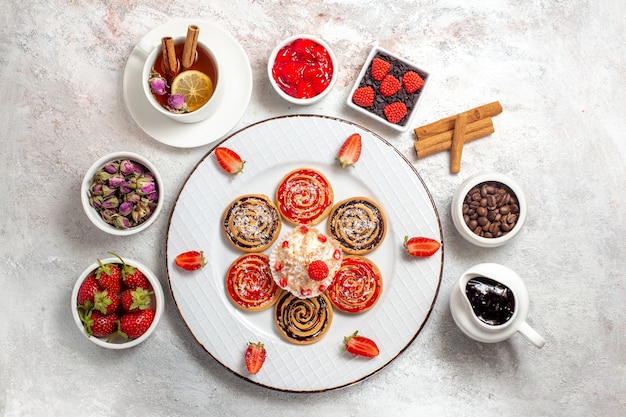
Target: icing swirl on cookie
(304, 196)
(251, 222)
(357, 285)
(303, 321)
(358, 224)
(250, 284)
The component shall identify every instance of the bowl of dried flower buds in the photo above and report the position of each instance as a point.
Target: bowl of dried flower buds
(122, 193)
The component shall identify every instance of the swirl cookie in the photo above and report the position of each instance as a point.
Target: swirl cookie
(249, 282)
(251, 222)
(358, 224)
(303, 321)
(357, 285)
(304, 196)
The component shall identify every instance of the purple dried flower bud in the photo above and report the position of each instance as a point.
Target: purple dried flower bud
(107, 191)
(121, 222)
(153, 196)
(145, 186)
(126, 167)
(112, 167)
(101, 177)
(133, 197)
(176, 103)
(125, 208)
(158, 86)
(108, 215)
(110, 203)
(128, 186)
(116, 180)
(95, 189)
(95, 201)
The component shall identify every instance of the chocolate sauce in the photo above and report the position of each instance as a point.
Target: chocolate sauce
(491, 301)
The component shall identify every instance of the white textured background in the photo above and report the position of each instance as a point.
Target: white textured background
(557, 67)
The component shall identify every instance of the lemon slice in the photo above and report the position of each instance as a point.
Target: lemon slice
(195, 86)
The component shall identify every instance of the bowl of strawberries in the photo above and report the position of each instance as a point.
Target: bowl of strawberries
(117, 303)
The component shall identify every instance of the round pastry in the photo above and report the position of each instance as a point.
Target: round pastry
(357, 285)
(251, 222)
(304, 196)
(303, 321)
(358, 224)
(249, 282)
(305, 261)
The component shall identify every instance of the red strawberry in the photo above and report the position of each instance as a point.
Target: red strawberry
(255, 357)
(395, 111)
(389, 86)
(412, 81)
(380, 68)
(133, 325)
(190, 260)
(350, 151)
(101, 325)
(135, 300)
(87, 290)
(318, 270)
(109, 277)
(363, 96)
(229, 160)
(360, 346)
(105, 302)
(131, 276)
(421, 246)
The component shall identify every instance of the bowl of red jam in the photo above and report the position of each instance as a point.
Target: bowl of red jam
(302, 69)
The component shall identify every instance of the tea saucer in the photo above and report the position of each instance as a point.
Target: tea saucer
(237, 80)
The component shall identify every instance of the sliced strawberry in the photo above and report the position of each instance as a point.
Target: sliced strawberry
(255, 357)
(190, 260)
(380, 68)
(229, 160)
(350, 151)
(360, 346)
(421, 246)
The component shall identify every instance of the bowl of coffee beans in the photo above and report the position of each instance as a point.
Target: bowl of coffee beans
(489, 209)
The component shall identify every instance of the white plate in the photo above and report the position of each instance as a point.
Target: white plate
(237, 79)
(272, 148)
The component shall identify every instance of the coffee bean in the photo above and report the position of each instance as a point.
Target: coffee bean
(491, 209)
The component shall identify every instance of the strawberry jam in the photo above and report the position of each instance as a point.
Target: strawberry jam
(303, 68)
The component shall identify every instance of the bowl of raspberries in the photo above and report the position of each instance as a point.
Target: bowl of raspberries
(117, 303)
(388, 89)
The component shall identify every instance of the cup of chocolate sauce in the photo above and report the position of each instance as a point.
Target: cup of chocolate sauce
(489, 303)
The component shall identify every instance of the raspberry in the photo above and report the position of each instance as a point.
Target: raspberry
(318, 270)
(395, 111)
(379, 68)
(412, 82)
(363, 96)
(389, 86)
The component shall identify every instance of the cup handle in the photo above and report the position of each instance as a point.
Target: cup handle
(531, 335)
(144, 47)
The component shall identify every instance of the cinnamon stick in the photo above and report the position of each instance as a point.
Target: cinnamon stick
(443, 141)
(446, 124)
(458, 137)
(170, 63)
(191, 43)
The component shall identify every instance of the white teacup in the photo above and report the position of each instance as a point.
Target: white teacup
(198, 115)
(469, 323)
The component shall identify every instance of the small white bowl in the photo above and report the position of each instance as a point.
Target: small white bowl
(459, 198)
(284, 95)
(413, 98)
(95, 216)
(157, 304)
